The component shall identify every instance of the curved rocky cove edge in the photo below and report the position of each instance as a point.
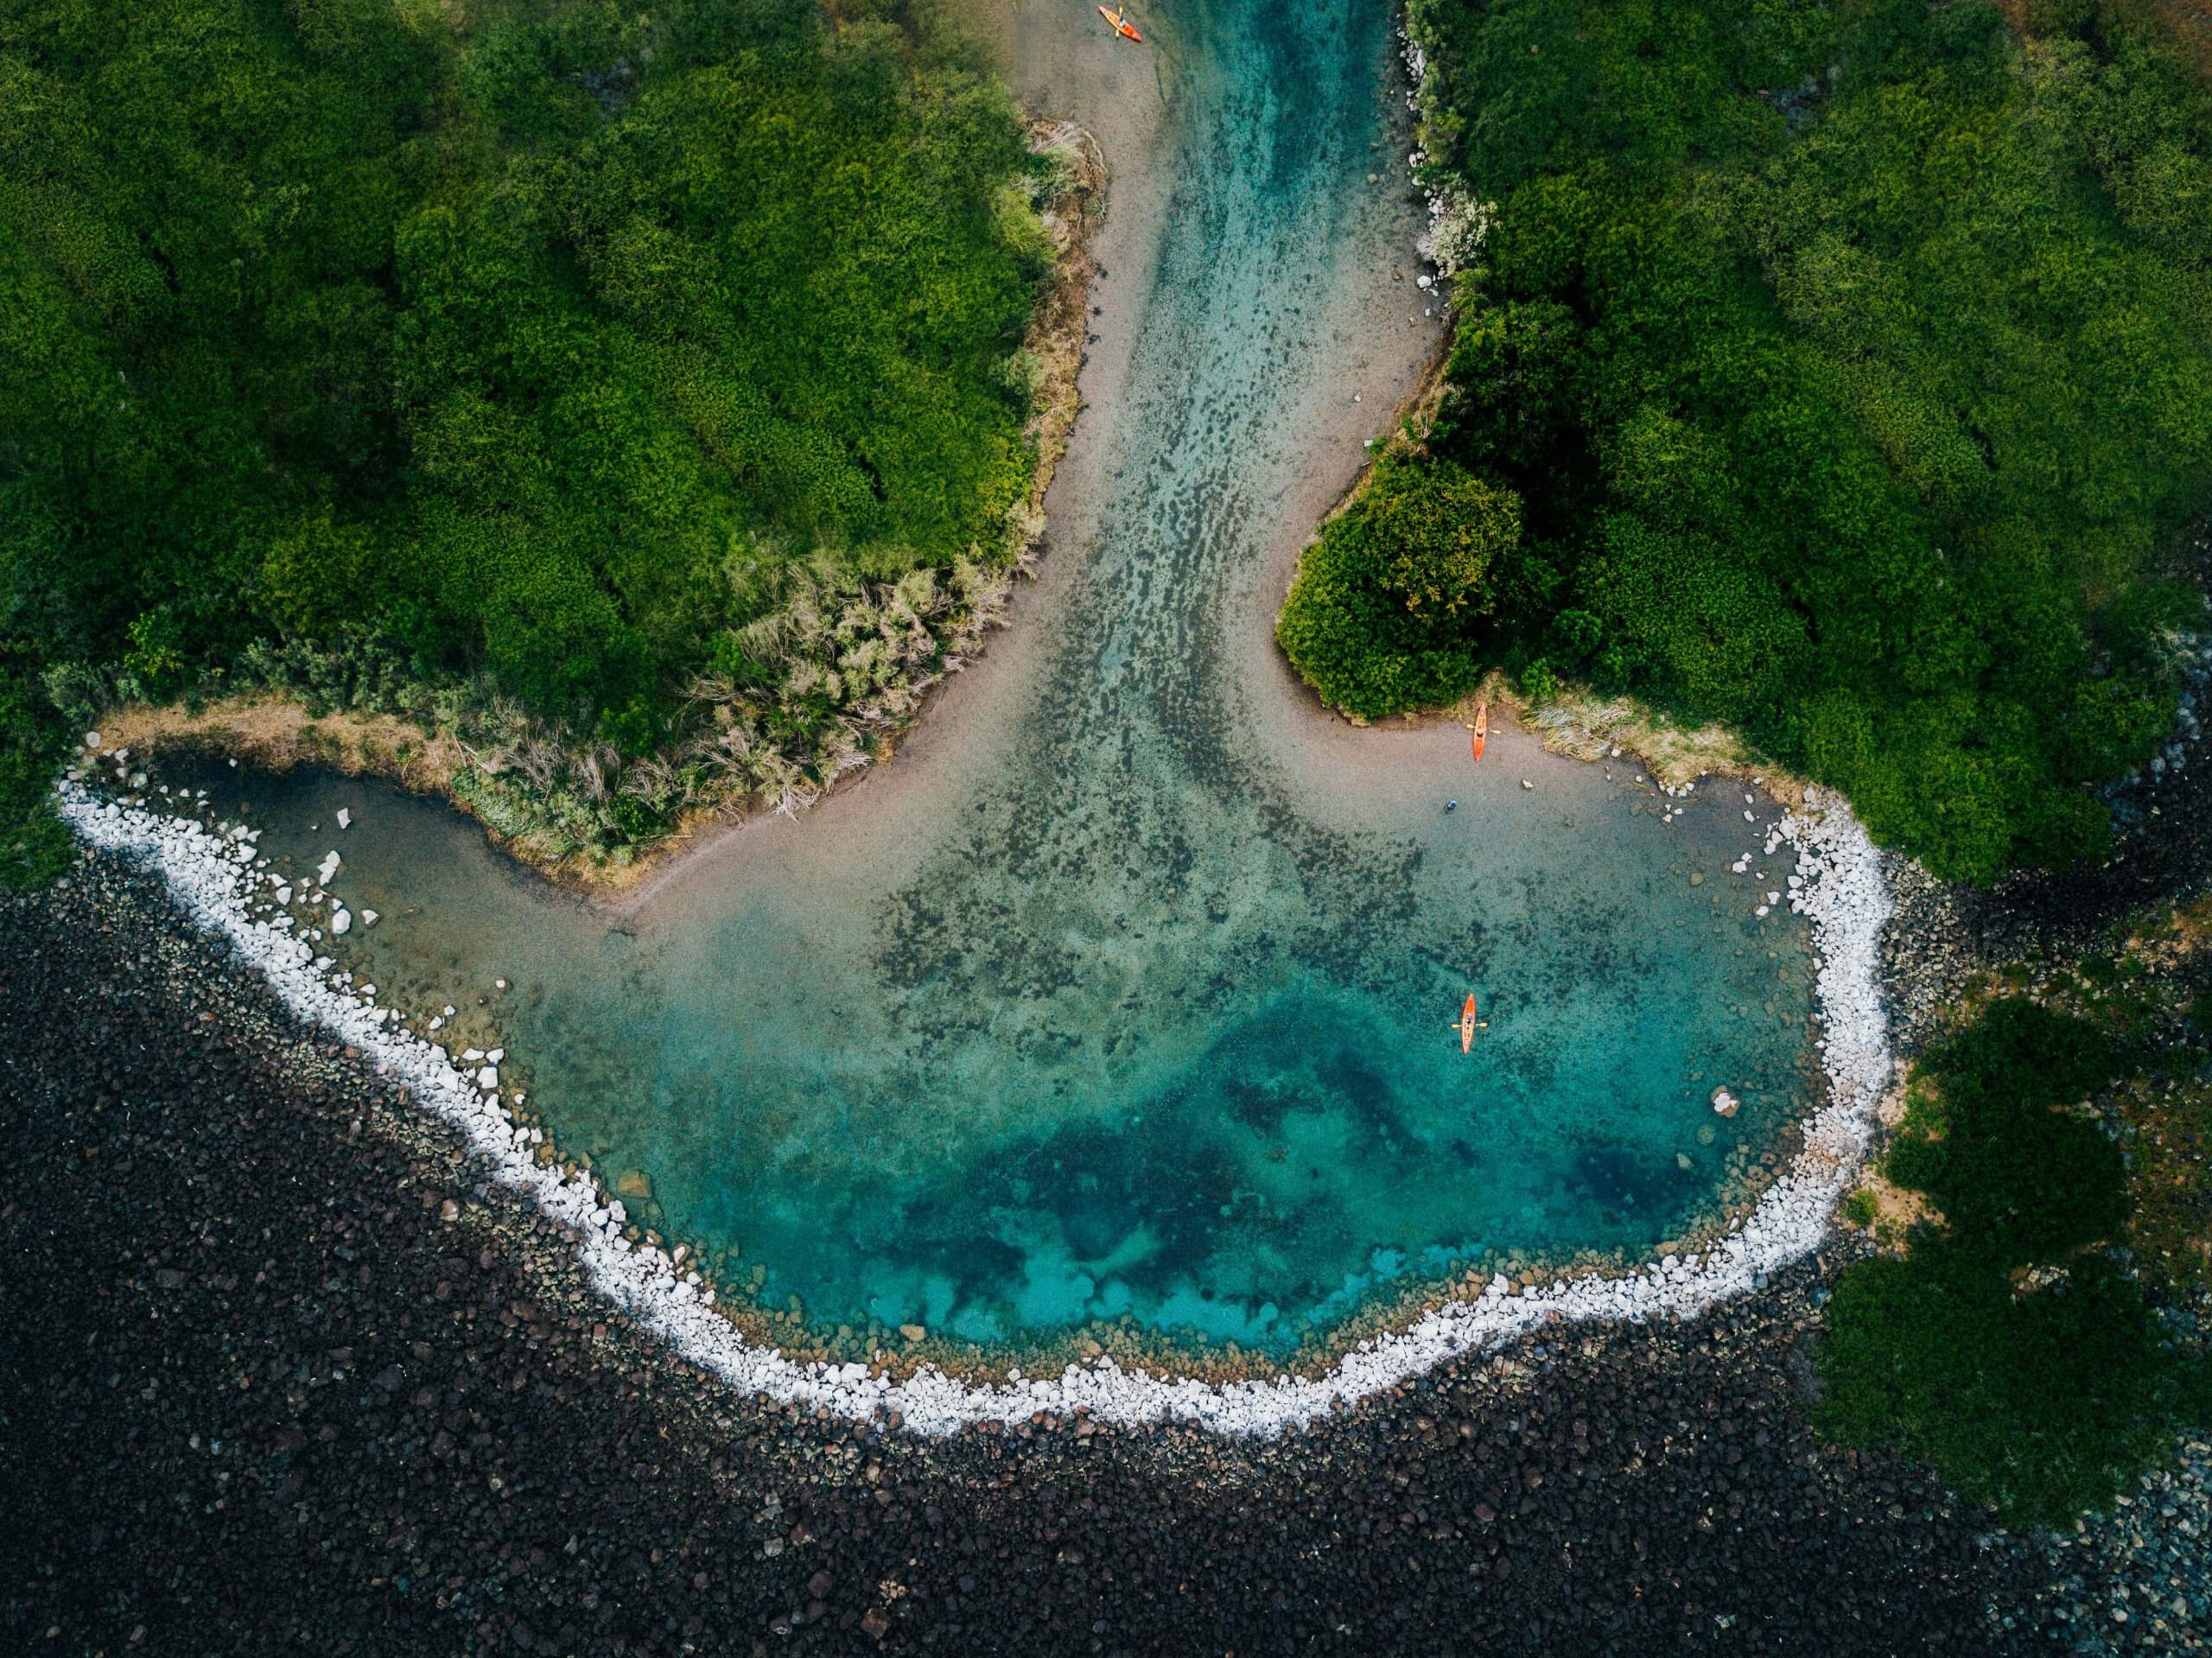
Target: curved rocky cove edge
(1839, 889)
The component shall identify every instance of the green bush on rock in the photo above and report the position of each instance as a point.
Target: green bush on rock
(2046, 1403)
(1990, 1136)
(2005, 1347)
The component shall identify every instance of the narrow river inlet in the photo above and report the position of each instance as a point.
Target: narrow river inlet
(1125, 994)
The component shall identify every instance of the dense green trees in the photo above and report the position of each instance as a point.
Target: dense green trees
(1853, 362)
(1374, 619)
(1434, 532)
(529, 341)
(2005, 1345)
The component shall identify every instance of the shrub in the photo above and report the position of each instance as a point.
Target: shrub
(2045, 1402)
(1990, 1136)
(1357, 643)
(1430, 535)
(33, 847)
(1376, 618)
(2026, 1367)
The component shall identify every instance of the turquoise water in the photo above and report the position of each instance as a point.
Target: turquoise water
(1123, 1004)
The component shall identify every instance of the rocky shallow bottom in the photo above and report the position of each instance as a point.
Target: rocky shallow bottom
(287, 1374)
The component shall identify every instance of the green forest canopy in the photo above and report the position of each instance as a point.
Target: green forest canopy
(2006, 1344)
(1852, 363)
(529, 337)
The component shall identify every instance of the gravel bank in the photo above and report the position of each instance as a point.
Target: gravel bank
(288, 1374)
(2139, 1579)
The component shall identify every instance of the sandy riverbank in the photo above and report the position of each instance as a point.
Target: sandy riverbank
(1120, 100)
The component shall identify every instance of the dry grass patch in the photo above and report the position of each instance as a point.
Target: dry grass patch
(277, 735)
(1585, 726)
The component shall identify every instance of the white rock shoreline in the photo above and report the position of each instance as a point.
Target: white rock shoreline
(1837, 886)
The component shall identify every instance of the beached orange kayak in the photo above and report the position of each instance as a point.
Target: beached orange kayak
(1467, 1024)
(1121, 24)
(1482, 728)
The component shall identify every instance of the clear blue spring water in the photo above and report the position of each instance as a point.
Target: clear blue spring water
(1106, 1016)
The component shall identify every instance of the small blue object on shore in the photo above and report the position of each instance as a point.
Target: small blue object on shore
(1450, 805)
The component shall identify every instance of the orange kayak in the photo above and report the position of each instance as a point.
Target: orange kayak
(1119, 21)
(1467, 1024)
(1482, 728)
